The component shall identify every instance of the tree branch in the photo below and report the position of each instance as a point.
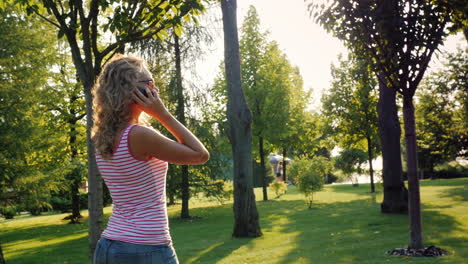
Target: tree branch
(92, 18)
(46, 19)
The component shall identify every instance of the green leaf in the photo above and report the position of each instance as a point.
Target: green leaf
(178, 30)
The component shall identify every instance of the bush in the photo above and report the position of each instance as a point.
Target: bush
(8, 211)
(448, 170)
(279, 188)
(37, 207)
(310, 176)
(60, 204)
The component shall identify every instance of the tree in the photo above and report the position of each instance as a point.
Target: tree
(310, 176)
(399, 38)
(83, 25)
(285, 101)
(28, 171)
(252, 49)
(65, 108)
(2, 259)
(246, 222)
(459, 16)
(350, 162)
(395, 194)
(441, 113)
(169, 60)
(349, 107)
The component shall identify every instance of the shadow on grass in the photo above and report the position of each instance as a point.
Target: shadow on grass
(341, 232)
(362, 189)
(206, 240)
(355, 232)
(46, 244)
(458, 194)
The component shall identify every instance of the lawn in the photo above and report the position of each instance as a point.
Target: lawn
(344, 226)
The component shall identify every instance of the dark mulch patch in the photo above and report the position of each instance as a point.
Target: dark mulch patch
(430, 251)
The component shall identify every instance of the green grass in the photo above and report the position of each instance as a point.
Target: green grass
(344, 226)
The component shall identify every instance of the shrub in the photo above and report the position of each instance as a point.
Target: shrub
(310, 176)
(8, 211)
(60, 204)
(279, 188)
(221, 191)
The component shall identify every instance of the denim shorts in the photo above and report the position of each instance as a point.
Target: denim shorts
(119, 252)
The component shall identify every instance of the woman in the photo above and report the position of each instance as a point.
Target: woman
(133, 160)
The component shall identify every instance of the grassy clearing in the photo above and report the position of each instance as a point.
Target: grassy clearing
(344, 226)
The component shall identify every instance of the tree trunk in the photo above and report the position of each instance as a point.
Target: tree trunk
(395, 194)
(284, 164)
(95, 202)
(246, 222)
(2, 259)
(262, 168)
(180, 113)
(76, 179)
(416, 241)
(371, 169)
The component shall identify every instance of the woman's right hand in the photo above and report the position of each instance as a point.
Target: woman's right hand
(146, 142)
(151, 104)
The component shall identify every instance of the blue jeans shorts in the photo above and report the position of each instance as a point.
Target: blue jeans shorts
(119, 252)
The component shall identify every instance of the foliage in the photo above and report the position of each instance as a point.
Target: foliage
(30, 147)
(349, 106)
(258, 175)
(398, 39)
(278, 187)
(310, 175)
(392, 35)
(441, 113)
(95, 30)
(350, 161)
(450, 170)
(8, 211)
(221, 191)
(274, 93)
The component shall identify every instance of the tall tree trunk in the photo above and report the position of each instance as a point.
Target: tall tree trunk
(246, 222)
(180, 112)
(262, 168)
(416, 240)
(95, 202)
(395, 194)
(2, 259)
(76, 178)
(371, 169)
(284, 164)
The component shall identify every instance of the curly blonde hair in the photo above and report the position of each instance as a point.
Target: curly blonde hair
(112, 100)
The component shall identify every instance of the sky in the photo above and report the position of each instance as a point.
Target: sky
(305, 43)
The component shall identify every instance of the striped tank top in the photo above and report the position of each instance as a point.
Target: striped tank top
(138, 191)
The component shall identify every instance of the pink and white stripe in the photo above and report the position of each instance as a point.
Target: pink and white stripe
(138, 190)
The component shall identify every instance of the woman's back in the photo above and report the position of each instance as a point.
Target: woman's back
(137, 189)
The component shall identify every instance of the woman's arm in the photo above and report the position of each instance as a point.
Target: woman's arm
(148, 142)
